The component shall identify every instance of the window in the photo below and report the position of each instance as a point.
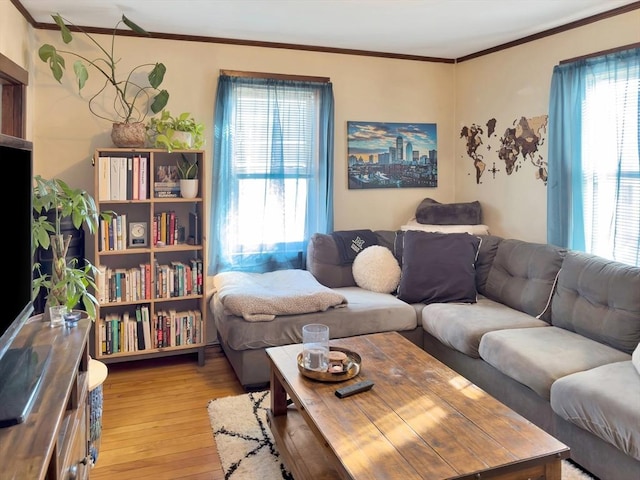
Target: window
(594, 156)
(611, 170)
(272, 171)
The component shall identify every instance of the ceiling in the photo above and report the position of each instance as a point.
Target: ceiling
(445, 29)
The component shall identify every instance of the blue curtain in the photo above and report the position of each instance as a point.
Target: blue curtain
(273, 147)
(571, 220)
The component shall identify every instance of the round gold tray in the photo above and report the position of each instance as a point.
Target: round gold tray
(351, 368)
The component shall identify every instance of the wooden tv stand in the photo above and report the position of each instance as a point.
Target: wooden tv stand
(52, 443)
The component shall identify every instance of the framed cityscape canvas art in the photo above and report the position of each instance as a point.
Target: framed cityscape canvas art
(392, 155)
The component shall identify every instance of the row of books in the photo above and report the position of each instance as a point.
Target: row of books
(145, 281)
(123, 178)
(113, 234)
(137, 330)
(165, 228)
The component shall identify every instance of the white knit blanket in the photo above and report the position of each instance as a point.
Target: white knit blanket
(260, 297)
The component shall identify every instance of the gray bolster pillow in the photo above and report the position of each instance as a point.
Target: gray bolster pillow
(432, 212)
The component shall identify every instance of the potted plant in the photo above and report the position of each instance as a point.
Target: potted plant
(69, 283)
(188, 175)
(181, 132)
(132, 101)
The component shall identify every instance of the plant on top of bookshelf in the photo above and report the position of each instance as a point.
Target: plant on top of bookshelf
(133, 99)
(181, 132)
(187, 168)
(69, 283)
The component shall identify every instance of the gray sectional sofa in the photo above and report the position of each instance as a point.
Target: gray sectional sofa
(551, 335)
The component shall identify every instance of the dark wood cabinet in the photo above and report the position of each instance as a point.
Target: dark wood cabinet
(52, 443)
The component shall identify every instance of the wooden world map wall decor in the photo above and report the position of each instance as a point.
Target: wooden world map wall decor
(518, 146)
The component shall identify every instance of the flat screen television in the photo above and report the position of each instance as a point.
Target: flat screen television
(21, 364)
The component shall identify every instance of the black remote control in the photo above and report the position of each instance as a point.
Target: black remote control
(353, 389)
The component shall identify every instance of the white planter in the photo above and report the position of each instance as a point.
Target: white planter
(185, 138)
(189, 188)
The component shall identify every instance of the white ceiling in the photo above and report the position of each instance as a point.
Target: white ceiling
(429, 28)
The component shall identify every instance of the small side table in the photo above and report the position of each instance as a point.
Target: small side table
(97, 375)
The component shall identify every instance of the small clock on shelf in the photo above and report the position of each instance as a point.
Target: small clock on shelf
(138, 234)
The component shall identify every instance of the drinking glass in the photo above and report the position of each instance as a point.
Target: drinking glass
(57, 315)
(315, 348)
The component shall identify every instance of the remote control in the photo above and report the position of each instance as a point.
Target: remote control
(353, 389)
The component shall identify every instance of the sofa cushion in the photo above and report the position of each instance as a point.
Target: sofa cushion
(461, 325)
(600, 299)
(537, 357)
(438, 267)
(604, 401)
(523, 274)
(635, 358)
(376, 269)
(431, 211)
(365, 312)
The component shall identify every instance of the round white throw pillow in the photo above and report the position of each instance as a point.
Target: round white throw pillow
(376, 269)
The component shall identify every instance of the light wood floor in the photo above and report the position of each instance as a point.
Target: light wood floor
(155, 423)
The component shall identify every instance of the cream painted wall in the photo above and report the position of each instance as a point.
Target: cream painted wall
(365, 88)
(510, 84)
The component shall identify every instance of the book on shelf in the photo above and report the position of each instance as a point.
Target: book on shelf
(104, 178)
(114, 178)
(129, 177)
(101, 282)
(166, 186)
(135, 180)
(146, 326)
(139, 329)
(167, 194)
(144, 178)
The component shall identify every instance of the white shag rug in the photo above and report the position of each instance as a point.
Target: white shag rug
(246, 447)
(243, 438)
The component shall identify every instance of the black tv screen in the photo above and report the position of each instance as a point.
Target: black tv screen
(22, 365)
(16, 155)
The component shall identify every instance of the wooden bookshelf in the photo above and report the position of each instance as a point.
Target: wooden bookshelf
(151, 256)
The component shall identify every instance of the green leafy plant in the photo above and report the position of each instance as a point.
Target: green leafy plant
(162, 131)
(69, 283)
(187, 169)
(133, 100)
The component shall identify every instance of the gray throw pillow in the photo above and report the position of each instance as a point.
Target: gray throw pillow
(438, 267)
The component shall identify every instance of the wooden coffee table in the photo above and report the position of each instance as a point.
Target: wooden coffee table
(420, 420)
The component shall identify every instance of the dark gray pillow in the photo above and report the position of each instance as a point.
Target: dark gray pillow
(438, 267)
(432, 212)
